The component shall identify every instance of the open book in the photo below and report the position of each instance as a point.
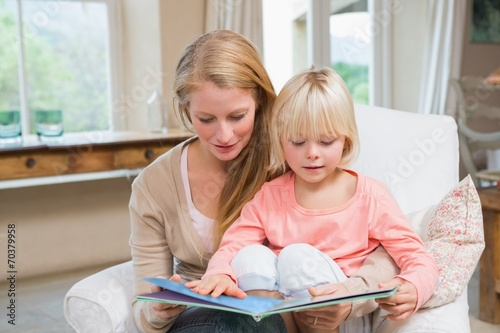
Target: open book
(255, 306)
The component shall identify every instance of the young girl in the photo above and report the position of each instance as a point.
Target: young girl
(319, 220)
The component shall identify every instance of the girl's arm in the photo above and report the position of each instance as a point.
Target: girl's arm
(395, 233)
(247, 230)
(377, 267)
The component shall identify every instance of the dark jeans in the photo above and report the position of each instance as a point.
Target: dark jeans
(201, 320)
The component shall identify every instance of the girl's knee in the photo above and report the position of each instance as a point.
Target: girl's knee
(302, 257)
(255, 268)
(253, 257)
(301, 266)
(251, 251)
(294, 251)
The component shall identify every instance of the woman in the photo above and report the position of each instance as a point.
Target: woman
(183, 202)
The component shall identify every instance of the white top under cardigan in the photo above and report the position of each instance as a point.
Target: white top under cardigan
(201, 223)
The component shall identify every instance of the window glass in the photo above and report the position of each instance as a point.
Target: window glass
(286, 46)
(66, 60)
(9, 78)
(351, 51)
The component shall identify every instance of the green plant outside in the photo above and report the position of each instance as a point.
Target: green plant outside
(356, 79)
(73, 79)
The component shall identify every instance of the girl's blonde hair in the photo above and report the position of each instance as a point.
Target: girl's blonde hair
(314, 103)
(229, 60)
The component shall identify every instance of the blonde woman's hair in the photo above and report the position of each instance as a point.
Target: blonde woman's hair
(313, 103)
(229, 60)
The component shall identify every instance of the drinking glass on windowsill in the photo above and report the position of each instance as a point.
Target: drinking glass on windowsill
(10, 127)
(49, 125)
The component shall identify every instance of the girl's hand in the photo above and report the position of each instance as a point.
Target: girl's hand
(402, 304)
(216, 285)
(165, 311)
(327, 318)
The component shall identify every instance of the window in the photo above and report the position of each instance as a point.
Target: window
(58, 55)
(351, 47)
(287, 49)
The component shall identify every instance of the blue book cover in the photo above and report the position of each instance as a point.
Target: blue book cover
(255, 306)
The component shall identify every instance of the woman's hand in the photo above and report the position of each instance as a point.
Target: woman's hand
(327, 318)
(216, 285)
(402, 304)
(165, 311)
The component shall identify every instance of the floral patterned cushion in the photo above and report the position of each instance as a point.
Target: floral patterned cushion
(455, 237)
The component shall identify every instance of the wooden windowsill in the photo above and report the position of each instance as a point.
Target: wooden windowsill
(82, 156)
(32, 142)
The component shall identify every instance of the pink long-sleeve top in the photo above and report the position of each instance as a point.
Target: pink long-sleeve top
(347, 233)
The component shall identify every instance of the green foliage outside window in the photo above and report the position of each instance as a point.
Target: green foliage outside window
(65, 69)
(356, 79)
(9, 83)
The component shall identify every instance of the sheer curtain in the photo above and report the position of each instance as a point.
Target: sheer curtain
(242, 16)
(442, 52)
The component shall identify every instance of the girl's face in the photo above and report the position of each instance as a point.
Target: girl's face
(223, 119)
(311, 160)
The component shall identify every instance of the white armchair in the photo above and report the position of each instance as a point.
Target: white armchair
(415, 155)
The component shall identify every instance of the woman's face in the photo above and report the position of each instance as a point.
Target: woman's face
(223, 119)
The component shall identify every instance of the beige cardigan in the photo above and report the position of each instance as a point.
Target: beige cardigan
(163, 236)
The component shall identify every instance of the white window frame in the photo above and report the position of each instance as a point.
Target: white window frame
(117, 120)
(380, 74)
(318, 33)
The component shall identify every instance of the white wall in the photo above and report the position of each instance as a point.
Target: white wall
(66, 226)
(154, 34)
(142, 58)
(181, 22)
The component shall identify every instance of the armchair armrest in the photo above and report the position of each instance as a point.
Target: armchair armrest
(102, 302)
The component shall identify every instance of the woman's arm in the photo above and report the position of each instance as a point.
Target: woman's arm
(151, 257)
(378, 267)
